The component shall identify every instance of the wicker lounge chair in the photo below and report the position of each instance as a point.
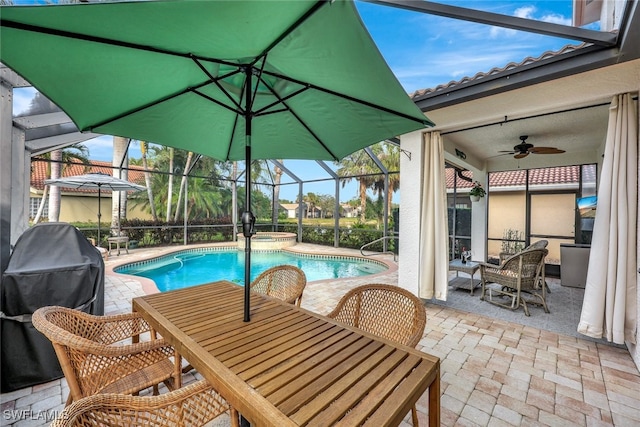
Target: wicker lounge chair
(540, 244)
(191, 406)
(386, 311)
(521, 274)
(285, 282)
(100, 354)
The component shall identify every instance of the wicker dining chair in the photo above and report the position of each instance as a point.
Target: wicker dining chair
(285, 282)
(387, 311)
(101, 354)
(519, 275)
(192, 406)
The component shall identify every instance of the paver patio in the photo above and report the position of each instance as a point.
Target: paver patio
(494, 373)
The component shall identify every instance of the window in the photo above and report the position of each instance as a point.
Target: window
(34, 204)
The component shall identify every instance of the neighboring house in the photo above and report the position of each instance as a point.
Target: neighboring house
(348, 211)
(314, 212)
(76, 204)
(292, 209)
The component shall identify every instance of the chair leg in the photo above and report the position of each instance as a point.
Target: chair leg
(235, 417)
(414, 416)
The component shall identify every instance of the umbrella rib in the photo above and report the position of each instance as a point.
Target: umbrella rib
(264, 111)
(216, 81)
(424, 121)
(295, 25)
(144, 107)
(233, 132)
(103, 40)
(238, 109)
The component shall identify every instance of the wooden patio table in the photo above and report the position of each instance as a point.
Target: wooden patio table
(289, 366)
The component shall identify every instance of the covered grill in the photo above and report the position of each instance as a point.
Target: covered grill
(51, 264)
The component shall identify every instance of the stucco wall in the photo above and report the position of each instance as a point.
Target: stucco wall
(85, 209)
(551, 214)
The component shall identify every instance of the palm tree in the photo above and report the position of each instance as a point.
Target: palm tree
(119, 157)
(170, 187)
(77, 152)
(358, 166)
(276, 190)
(389, 155)
(147, 179)
(209, 195)
(312, 200)
(54, 195)
(59, 162)
(183, 183)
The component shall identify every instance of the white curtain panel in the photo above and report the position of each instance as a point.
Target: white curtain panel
(609, 309)
(434, 242)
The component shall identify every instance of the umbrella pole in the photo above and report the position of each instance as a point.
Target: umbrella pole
(248, 220)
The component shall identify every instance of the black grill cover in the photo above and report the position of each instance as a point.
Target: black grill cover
(51, 264)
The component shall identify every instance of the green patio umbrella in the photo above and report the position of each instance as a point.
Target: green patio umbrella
(233, 80)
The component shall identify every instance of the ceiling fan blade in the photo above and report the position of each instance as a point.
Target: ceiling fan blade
(520, 155)
(507, 151)
(546, 150)
(501, 154)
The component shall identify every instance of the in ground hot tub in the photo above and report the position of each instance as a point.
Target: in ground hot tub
(269, 240)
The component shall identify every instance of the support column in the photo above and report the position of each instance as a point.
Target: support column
(410, 195)
(6, 123)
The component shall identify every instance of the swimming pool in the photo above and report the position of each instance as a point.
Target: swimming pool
(193, 267)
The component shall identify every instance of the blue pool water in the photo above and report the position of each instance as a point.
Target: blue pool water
(188, 268)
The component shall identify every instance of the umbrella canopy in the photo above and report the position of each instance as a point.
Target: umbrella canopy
(232, 80)
(95, 181)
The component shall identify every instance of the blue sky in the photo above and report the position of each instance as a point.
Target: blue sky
(423, 51)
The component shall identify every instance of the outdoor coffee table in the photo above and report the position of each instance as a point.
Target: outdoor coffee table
(469, 268)
(289, 366)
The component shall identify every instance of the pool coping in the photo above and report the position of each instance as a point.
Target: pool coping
(149, 286)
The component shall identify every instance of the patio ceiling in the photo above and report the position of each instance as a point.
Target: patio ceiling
(570, 113)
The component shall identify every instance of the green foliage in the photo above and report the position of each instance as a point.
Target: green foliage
(512, 241)
(90, 230)
(352, 237)
(152, 233)
(477, 190)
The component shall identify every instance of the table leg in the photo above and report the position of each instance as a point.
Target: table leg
(434, 401)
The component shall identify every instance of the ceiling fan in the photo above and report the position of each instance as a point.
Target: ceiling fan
(524, 149)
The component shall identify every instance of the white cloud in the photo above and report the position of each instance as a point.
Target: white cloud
(556, 19)
(525, 12)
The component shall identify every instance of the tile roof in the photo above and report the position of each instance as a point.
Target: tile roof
(555, 175)
(498, 70)
(39, 172)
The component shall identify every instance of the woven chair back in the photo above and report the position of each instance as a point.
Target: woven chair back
(383, 310)
(525, 266)
(285, 282)
(192, 406)
(98, 353)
